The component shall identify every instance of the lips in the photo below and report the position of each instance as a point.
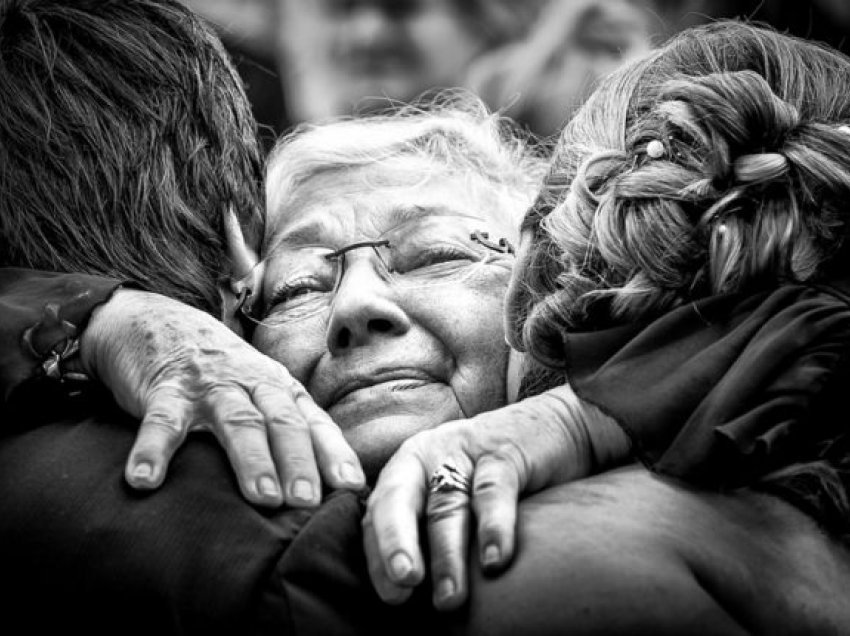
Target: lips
(350, 384)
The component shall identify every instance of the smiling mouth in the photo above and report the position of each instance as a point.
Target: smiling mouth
(392, 383)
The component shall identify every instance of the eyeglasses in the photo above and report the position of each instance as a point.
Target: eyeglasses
(429, 252)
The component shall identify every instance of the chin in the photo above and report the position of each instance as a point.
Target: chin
(376, 440)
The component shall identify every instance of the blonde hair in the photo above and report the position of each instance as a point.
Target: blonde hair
(454, 130)
(744, 187)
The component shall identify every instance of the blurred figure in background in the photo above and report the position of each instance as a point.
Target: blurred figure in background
(248, 30)
(339, 57)
(541, 79)
(535, 60)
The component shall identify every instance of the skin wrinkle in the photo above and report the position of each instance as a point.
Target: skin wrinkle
(360, 214)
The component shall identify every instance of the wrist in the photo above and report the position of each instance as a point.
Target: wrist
(110, 325)
(597, 440)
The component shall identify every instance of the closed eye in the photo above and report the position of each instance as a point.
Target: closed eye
(436, 256)
(296, 293)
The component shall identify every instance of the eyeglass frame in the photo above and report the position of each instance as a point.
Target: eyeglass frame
(245, 304)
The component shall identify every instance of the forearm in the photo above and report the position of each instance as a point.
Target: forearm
(598, 442)
(126, 337)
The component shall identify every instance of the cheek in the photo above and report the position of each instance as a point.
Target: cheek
(298, 346)
(469, 325)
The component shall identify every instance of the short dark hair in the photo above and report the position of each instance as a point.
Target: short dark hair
(125, 134)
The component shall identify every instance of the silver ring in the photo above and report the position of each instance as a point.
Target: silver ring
(447, 478)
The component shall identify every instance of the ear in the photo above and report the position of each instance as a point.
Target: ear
(245, 278)
(243, 259)
(515, 367)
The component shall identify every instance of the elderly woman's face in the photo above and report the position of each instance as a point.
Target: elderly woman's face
(412, 335)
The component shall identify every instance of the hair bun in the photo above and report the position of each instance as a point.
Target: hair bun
(740, 107)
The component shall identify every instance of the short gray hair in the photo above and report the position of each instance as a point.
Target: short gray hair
(453, 128)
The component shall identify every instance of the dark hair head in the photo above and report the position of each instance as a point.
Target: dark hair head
(125, 134)
(745, 184)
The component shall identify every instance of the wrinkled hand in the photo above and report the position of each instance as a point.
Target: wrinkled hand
(530, 445)
(178, 370)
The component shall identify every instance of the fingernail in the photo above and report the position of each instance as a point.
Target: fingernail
(349, 474)
(400, 566)
(267, 486)
(143, 471)
(491, 555)
(302, 489)
(445, 590)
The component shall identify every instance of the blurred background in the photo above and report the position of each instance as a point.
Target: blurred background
(535, 60)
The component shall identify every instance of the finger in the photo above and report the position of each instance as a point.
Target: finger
(448, 515)
(389, 591)
(291, 444)
(495, 491)
(241, 429)
(395, 506)
(338, 463)
(164, 427)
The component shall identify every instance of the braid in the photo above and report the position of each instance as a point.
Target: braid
(737, 199)
(724, 179)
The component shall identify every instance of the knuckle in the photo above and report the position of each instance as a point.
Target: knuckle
(252, 461)
(237, 426)
(446, 506)
(507, 456)
(299, 465)
(487, 487)
(240, 418)
(168, 389)
(267, 389)
(163, 423)
(285, 422)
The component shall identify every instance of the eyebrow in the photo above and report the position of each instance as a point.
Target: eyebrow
(403, 214)
(310, 233)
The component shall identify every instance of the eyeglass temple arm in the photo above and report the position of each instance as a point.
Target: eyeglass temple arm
(355, 246)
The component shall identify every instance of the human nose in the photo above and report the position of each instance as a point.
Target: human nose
(363, 309)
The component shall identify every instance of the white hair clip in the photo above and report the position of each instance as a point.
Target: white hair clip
(655, 149)
(844, 129)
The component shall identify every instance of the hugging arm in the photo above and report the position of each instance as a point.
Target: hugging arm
(534, 444)
(718, 408)
(176, 369)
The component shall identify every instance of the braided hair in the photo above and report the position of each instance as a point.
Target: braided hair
(719, 163)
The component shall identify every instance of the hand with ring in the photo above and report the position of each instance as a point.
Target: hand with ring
(479, 467)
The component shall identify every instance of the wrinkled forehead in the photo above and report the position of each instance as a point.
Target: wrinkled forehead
(336, 207)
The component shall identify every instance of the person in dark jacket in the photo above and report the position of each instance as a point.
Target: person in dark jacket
(685, 271)
(126, 144)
